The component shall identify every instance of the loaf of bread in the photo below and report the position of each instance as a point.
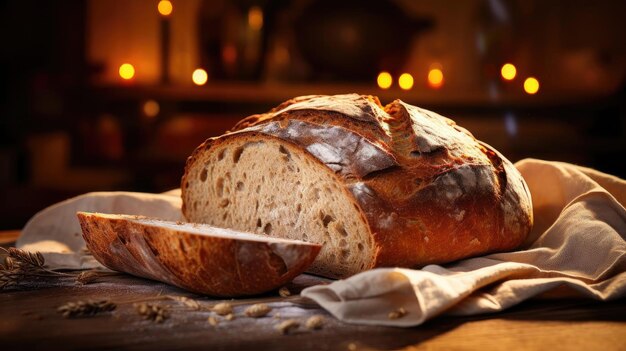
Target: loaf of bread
(196, 257)
(377, 186)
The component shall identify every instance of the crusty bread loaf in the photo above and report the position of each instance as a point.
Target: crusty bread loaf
(196, 257)
(377, 186)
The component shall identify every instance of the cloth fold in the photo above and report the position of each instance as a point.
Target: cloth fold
(577, 248)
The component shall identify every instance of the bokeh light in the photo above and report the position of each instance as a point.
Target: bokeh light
(435, 78)
(384, 80)
(127, 71)
(255, 18)
(405, 81)
(531, 85)
(199, 77)
(165, 7)
(151, 108)
(508, 71)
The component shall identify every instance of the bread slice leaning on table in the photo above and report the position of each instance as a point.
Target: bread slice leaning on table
(196, 257)
(377, 186)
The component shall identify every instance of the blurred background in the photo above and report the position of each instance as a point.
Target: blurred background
(115, 94)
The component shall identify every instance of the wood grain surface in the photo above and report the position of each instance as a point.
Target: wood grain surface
(29, 321)
(8, 237)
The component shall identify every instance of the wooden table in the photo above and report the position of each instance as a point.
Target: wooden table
(29, 321)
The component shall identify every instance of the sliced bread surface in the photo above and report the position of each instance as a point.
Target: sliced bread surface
(274, 189)
(197, 257)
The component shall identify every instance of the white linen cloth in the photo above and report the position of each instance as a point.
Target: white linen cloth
(56, 233)
(576, 248)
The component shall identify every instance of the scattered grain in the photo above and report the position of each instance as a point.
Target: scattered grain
(213, 321)
(284, 292)
(152, 312)
(287, 326)
(191, 303)
(223, 308)
(315, 322)
(258, 310)
(399, 313)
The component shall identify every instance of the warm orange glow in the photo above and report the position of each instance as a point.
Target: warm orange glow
(165, 7)
(151, 108)
(281, 55)
(229, 54)
(435, 78)
(255, 18)
(199, 77)
(508, 71)
(531, 85)
(405, 81)
(127, 71)
(384, 80)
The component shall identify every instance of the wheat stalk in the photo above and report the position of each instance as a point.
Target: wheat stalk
(85, 308)
(20, 265)
(87, 277)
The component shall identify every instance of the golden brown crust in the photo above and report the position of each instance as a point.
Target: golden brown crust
(212, 265)
(429, 190)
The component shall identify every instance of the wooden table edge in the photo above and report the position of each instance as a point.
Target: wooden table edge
(9, 236)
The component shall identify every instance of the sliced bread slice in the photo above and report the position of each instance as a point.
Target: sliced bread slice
(197, 257)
